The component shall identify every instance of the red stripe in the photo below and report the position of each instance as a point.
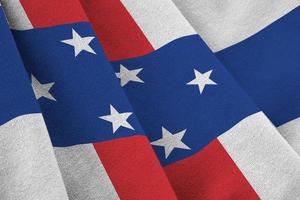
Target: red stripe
(45, 13)
(134, 169)
(211, 175)
(117, 31)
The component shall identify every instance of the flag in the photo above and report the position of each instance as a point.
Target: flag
(211, 139)
(100, 147)
(28, 166)
(261, 54)
(125, 100)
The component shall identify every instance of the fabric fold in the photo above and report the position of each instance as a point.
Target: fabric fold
(28, 168)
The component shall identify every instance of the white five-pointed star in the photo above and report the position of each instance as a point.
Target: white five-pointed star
(201, 80)
(41, 90)
(125, 75)
(117, 119)
(79, 43)
(171, 141)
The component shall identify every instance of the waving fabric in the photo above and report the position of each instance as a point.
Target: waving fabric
(125, 100)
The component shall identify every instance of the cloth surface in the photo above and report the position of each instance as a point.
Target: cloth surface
(125, 100)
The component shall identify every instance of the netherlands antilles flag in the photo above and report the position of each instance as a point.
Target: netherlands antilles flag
(28, 168)
(99, 145)
(212, 140)
(262, 54)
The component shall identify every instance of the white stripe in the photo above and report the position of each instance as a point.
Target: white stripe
(270, 165)
(17, 17)
(160, 20)
(291, 132)
(84, 174)
(28, 169)
(224, 23)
